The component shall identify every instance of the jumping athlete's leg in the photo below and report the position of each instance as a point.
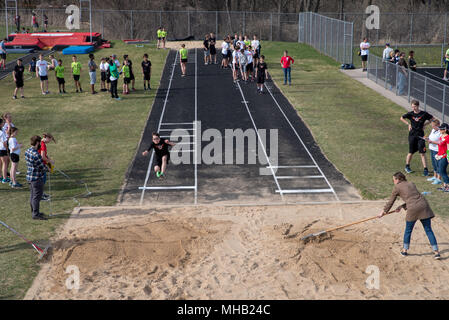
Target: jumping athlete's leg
(164, 164)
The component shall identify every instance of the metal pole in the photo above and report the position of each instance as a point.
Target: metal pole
(90, 19)
(244, 23)
(411, 27)
(132, 25)
(425, 93)
(271, 36)
(386, 74)
(6, 18)
(216, 23)
(444, 40)
(332, 37)
(299, 27)
(188, 23)
(325, 35)
(352, 42)
(444, 101)
(160, 18)
(397, 76)
(409, 82)
(102, 22)
(377, 61)
(344, 43)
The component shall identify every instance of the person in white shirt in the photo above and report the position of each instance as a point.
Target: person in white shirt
(386, 55)
(41, 72)
(255, 45)
(249, 63)
(14, 151)
(364, 52)
(103, 72)
(235, 63)
(434, 136)
(224, 53)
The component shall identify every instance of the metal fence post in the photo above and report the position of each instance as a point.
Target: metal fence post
(216, 23)
(325, 35)
(271, 27)
(397, 76)
(102, 22)
(244, 22)
(132, 25)
(411, 27)
(377, 59)
(188, 24)
(160, 18)
(299, 27)
(409, 83)
(386, 75)
(425, 93)
(444, 40)
(444, 101)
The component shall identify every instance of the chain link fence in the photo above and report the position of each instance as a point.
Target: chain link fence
(142, 24)
(432, 94)
(329, 36)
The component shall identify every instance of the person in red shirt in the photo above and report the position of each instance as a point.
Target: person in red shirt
(286, 62)
(47, 138)
(442, 155)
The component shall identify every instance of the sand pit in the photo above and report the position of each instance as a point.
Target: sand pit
(241, 253)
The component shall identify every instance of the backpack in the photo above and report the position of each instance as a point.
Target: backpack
(243, 59)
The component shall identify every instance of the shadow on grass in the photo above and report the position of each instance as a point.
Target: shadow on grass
(21, 246)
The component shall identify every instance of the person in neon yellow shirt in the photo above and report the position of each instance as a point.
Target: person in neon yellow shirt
(159, 37)
(59, 70)
(76, 71)
(127, 76)
(183, 59)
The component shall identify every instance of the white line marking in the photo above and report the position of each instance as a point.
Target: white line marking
(195, 155)
(159, 127)
(176, 136)
(182, 150)
(306, 191)
(302, 142)
(283, 167)
(260, 141)
(188, 143)
(168, 188)
(300, 177)
(177, 129)
(175, 123)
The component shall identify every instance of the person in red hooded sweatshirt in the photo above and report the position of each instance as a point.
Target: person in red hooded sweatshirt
(286, 62)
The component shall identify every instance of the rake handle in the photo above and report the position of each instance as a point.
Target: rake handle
(357, 222)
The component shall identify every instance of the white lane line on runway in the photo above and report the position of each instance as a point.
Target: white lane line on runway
(302, 142)
(158, 128)
(175, 123)
(283, 167)
(169, 188)
(306, 191)
(177, 129)
(300, 177)
(196, 153)
(261, 142)
(176, 136)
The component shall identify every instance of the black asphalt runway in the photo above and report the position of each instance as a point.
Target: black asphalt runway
(299, 172)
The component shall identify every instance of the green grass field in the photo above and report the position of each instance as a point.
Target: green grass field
(96, 140)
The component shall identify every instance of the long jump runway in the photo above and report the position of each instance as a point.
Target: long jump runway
(289, 166)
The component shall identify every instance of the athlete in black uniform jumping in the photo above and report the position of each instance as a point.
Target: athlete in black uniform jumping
(162, 154)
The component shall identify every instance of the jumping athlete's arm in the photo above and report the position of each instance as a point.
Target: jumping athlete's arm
(147, 151)
(170, 143)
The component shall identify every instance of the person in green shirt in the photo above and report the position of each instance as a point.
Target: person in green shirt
(159, 37)
(446, 61)
(127, 76)
(183, 57)
(59, 70)
(76, 71)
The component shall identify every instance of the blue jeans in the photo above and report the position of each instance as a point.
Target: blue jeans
(426, 223)
(442, 170)
(434, 161)
(287, 73)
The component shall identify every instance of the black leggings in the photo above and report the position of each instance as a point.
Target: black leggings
(114, 89)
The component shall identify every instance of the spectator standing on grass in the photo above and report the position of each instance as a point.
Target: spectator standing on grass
(402, 73)
(235, 63)
(249, 64)
(14, 153)
(417, 208)
(164, 37)
(183, 59)
(53, 61)
(396, 56)
(206, 50)
(48, 162)
(386, 55)
(108, 74)
(146, 71)
(255, 44)
(92, 66)
(35, 177)
(126, 77)
(418, 120)
(41, 72)
(17, 22)
(364, 52)
(17, 74)
(286, 64)
(434, 136)
(3, 54)
(76, 71)
(45, 22)
(442, 155)
(59, 70)
(131, 73)
(159, 37)
(103, 74)
(32, 68)
(114, 76)
(34, 22)
(411, 61)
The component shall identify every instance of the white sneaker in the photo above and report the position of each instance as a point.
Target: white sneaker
(431, 179)
(445, 79)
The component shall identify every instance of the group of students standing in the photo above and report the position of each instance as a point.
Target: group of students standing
(110, 69)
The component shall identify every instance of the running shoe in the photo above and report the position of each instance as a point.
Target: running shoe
(436, 181)
(446, 189)
(404, 253)
(7, 180)
(425, 172)
(158, 174)
(437, 256)
(14, 97)
(432, 179)
(162, 175)
(118, 98)
(16, 185)
(407, 169)
(445, 79)
(23, 97)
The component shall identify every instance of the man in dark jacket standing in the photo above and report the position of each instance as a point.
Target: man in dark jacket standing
(35, 177)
